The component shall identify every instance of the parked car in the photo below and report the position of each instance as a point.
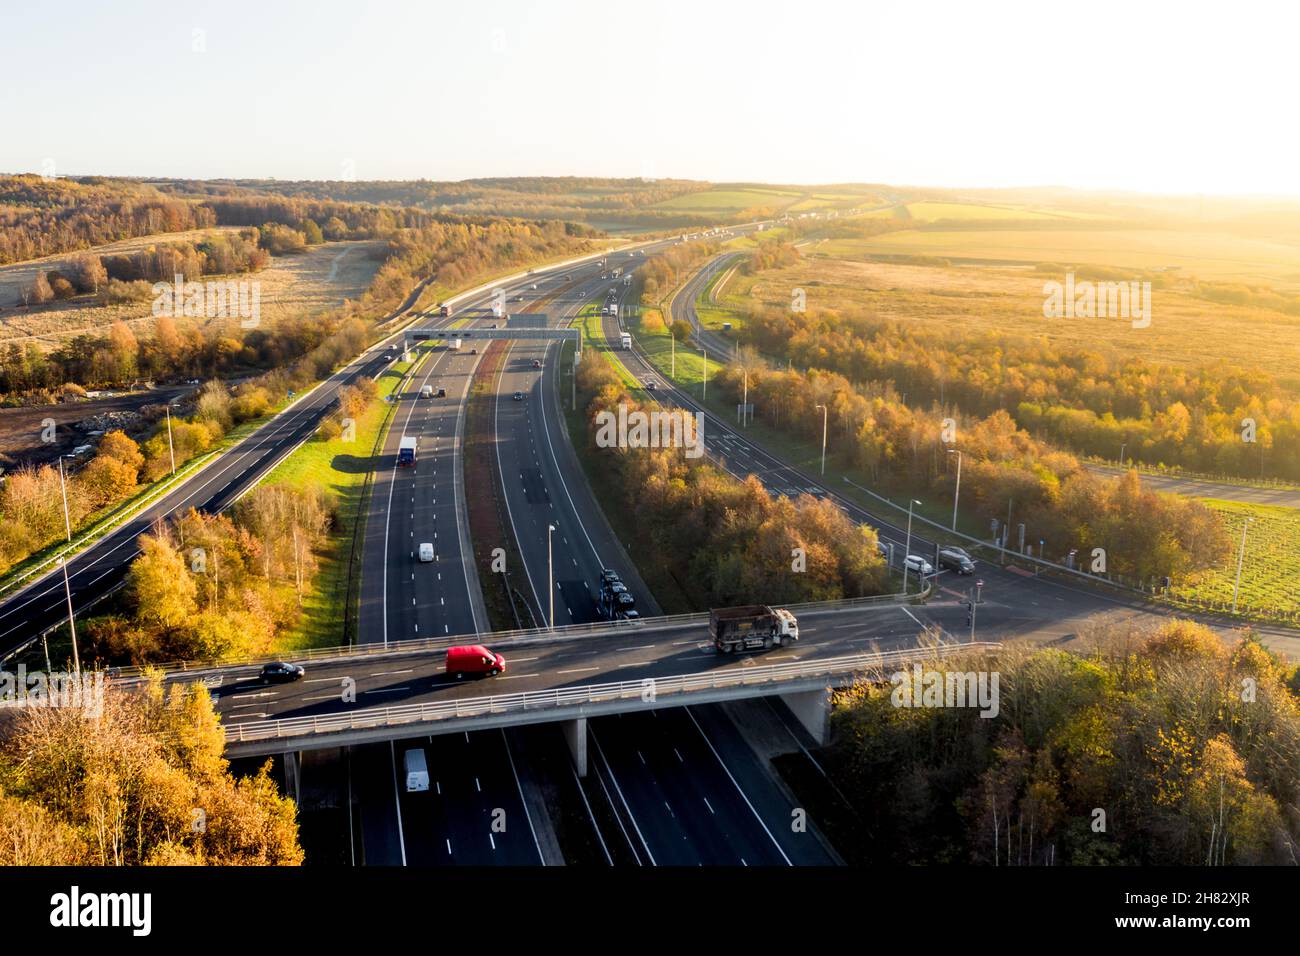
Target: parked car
(955, 559)
(474, 659)
(281, 672)
(917, 563)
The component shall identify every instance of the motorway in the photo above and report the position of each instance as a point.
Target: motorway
(102, 567)
(403, 599)
(543, 483)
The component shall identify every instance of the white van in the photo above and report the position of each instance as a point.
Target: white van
(426, 551)
(417, 771)
(426, 391)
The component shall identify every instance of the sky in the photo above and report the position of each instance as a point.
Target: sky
(1154, 97)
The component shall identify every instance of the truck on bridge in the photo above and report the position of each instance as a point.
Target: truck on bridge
(751, 627)
(406, 450)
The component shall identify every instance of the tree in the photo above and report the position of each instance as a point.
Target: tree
(123, 789)
(161, 584)
(40, 291)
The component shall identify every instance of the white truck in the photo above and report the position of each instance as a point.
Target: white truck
(426, 391)
(417, 770)
(626, 341)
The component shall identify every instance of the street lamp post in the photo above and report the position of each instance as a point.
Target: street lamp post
(72, 624)
(550, 573)
(672, 339)
(824, 412)
(67, 521)
(907, 548)
(704, 360)
(744, 403)
(1241, 558)
(956, 492)
(1121, 453)
(170, 451)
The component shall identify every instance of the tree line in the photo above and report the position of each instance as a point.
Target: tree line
(32, 497)
(728, 541)
(1156, 744)
(1006, 473)
(1094, 404)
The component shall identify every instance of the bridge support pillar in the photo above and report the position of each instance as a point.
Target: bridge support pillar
(575, 733)
(813, 709)
(293, 775)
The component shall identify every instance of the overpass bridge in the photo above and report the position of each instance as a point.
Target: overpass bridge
(805, 686)
(373, 692)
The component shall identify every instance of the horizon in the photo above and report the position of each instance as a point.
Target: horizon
(399, 92)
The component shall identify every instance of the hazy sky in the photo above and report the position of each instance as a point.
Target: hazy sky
(1176, 97)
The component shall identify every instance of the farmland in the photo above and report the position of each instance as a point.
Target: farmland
(1001, 300)
(312, 281)
(1271, 566)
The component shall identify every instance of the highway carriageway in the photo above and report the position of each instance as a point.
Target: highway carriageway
(347, 685)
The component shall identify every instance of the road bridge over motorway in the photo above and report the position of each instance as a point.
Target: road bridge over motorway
(805, 686)
(375, 692)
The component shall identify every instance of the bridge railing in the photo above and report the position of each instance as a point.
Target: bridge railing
(504, 638)
(401, 714)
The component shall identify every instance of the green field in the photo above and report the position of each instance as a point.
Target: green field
(1271, 567)
(340, 467)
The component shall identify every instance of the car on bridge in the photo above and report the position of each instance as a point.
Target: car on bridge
(280, 672)
(474, 659)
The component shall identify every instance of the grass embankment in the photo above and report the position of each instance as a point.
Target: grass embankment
(341, 466)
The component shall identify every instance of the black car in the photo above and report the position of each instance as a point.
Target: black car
(281, 672)
(955, 559)
(610, 576)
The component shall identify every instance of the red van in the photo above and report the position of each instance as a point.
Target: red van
(474, 659)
